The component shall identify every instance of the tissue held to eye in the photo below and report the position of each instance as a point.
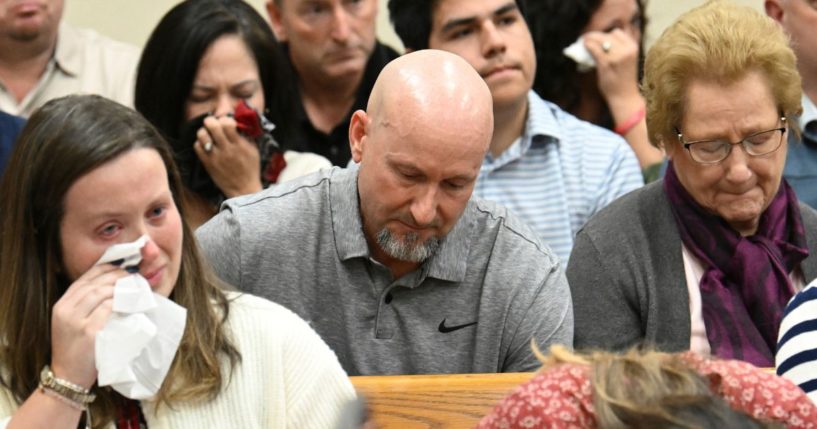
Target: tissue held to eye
(136, 347)
(119, 202)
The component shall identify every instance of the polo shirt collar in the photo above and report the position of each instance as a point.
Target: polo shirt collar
(450, 261)
(542, 121)
(67, 53)
(345, 211)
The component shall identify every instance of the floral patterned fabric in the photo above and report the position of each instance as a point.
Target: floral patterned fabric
(562, 397)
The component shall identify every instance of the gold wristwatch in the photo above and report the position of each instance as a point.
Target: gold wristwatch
(64, 388)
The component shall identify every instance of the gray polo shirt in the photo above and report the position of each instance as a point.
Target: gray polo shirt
(473, 307)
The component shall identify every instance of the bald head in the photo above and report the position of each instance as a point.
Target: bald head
(420, 145)
(432, 90)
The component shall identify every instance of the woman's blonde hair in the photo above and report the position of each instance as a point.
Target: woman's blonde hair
(62, 141)
(649, 389)
(719, 42)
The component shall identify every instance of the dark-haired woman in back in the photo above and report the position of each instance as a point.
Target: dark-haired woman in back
(605, 94)
(206, 69)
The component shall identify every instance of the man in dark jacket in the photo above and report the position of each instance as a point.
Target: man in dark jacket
(336, 59)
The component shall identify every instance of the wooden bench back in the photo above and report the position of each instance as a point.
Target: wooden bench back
(434, 401)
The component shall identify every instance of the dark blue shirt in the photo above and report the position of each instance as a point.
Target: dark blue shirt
(801, 164)
(10, 127)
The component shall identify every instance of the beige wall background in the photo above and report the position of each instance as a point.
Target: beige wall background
(133, 20)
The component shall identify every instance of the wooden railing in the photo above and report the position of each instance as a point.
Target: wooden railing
(434, 401)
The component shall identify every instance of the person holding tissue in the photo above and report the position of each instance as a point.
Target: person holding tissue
(112, 319)
(213, 80)
(595, 77)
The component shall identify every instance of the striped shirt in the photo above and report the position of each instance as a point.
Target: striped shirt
(797, 342)
(561, 171)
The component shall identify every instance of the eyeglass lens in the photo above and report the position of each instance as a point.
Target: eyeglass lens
(717, 150)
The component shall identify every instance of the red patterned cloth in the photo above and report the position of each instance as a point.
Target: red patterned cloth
(562, 397)
(255, 126)
(247, 120)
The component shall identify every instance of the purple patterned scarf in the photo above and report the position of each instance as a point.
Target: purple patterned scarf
(746, 284)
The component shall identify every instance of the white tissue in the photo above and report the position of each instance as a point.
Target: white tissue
(133, 355)
(129, 252)
(132, 294)
(579, 53)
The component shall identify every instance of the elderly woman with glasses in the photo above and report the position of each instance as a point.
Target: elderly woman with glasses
(708, 258)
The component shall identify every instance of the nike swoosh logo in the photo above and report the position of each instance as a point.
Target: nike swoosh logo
(446, 329)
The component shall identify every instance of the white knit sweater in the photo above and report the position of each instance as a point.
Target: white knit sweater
(288, 377)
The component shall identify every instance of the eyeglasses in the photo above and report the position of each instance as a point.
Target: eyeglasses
(715, 151)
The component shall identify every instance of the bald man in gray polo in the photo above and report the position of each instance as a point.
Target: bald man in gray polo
(392, 262)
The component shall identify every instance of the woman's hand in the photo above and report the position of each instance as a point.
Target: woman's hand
(617, 74)
(232, 161)
(617, 66)
(75, 320)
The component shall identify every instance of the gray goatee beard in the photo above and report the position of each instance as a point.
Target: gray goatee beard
(408, 248)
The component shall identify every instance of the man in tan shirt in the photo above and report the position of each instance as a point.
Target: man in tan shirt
(41, 59)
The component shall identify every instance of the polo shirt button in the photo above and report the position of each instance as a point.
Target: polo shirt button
(388, 298)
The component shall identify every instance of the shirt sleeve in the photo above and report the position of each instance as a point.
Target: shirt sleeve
(220, 241)
(796, 357)
(318, 390)
(622, 176)
(547, 318)
(8, 406)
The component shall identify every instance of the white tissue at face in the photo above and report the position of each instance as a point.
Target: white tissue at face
(137, 345)
(579, 53)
